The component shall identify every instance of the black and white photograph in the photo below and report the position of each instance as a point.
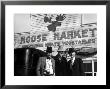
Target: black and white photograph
(55, 44)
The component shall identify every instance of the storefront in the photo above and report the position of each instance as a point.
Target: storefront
(82, 38)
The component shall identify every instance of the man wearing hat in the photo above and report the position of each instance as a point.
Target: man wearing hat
(60, 63)
(46, 65)
(75, 65)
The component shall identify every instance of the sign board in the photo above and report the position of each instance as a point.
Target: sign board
(68, 37)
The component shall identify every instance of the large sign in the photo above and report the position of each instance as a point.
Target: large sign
(67, 37)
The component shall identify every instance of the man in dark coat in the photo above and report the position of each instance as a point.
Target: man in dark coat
(75, 65)
(60, 63)
(46, 65)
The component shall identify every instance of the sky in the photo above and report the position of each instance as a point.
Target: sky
(22, 22)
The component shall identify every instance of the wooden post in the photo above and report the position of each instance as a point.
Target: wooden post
(92, 67)
(26, 62)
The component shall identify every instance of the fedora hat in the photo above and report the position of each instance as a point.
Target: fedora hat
(71, 50)
(49, 49)
(61, 48)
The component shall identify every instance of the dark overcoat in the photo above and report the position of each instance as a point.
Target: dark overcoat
(60, 67)
(76, 69)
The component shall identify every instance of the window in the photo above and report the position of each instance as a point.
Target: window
(90, 66)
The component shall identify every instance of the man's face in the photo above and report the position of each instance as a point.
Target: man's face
(49, 54)
(73, 54)
(61, 53)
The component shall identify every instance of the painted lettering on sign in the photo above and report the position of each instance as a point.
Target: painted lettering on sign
(84, 33)
(71, 37)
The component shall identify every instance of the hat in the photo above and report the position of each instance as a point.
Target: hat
(61, 48)
(71, 50)
(49, 50)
